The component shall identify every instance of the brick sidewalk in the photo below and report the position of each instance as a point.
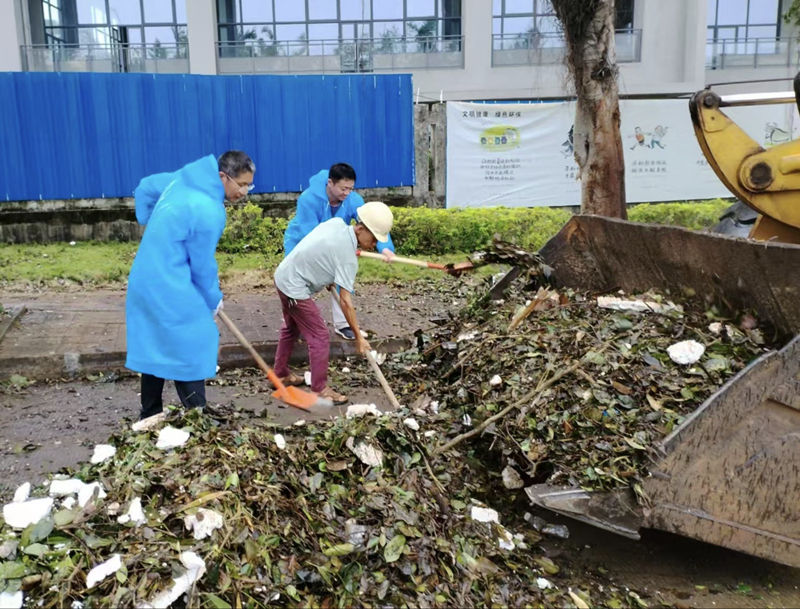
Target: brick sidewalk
(67, 335)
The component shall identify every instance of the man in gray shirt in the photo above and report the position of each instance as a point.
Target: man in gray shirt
(325, 257)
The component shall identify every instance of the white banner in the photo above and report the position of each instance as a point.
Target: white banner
(520, 155)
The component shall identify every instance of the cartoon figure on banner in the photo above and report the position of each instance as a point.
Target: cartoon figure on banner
(774, 135)
(640, 137)
(655, 137)
(568, 147)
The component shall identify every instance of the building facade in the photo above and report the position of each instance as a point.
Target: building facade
(455, 49)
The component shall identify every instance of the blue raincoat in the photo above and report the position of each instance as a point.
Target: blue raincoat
(173, 287)
(313, 208)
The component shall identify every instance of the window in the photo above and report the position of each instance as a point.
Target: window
(533, 23)
(741, 20)
(114, 22)
(302, 24)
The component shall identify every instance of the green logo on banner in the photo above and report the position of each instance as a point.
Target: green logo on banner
(500, 137)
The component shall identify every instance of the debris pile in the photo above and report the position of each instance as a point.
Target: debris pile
(230, 512)
(585, 385)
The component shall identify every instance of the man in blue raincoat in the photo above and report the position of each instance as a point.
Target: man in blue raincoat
(173, 288)
(329, 195)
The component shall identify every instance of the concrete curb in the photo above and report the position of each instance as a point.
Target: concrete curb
(74, 365)
(16, 313)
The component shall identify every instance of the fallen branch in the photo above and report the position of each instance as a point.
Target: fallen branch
(524, 400)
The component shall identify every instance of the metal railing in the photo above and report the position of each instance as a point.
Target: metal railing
(752, 53)
(345, 55)
(150, 58)
(537, 48)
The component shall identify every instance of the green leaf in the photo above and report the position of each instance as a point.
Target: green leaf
(217, 602)
(394, 548)
(12, 570)
(686, 393)
(635, 445)
(594, 358)
(342, 549)
(457, 504)
(233, 480)
(292, 592)
(64, 517)
(37, 532)
(36, 549)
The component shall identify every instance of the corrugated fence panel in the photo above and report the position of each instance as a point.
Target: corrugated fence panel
(83, 135)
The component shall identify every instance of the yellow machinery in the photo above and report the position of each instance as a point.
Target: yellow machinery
(766, 180)
(730, 474)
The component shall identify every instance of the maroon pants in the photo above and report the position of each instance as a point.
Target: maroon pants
(303, 317)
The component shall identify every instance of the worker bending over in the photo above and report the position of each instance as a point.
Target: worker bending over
(173, 288)
(324, 258)
(329, 195)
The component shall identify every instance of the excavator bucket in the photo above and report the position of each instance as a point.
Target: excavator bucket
(730, 474)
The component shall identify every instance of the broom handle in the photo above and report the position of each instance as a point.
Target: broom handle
(374, 256)
(376, 369)
(259, 360)
(382, 380)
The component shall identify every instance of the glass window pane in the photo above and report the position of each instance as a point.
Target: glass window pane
(497, 8)
(94, 35)
(258, 11)
(762, 31)
(763, 11)
(290, 32)
(323, 31)
(158, 11)
(548, 26)
(517, 25)
(387, 9)
(388, 29)
(163, 35)
(357, 10)
(91, 11)
(712, 12)
(545, 7)
(125, 12)
(496, 24)
(421, 30)
(322, 10)
(134, 35)
(180, 11)
(421, 8)
(519, 6)
(451, 8)
(289, 10)
(732, 12)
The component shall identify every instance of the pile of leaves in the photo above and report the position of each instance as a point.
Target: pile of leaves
(586, 391)
(345, 513)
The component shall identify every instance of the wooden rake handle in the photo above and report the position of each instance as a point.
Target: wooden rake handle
(280, 387)
(382, 380)
(422, 263)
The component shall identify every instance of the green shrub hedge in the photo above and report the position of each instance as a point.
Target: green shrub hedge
(419, 231)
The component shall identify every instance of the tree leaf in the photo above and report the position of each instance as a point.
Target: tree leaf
(394, 548)
(342, 549)
(217, 602)
(12, 570)
(36, 549)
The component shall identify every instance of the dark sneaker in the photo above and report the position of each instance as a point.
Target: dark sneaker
(346, 333)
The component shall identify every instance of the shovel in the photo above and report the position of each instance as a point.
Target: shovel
(455, 268)
(305, 400)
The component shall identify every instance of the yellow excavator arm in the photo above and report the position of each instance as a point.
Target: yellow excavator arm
(768, 181)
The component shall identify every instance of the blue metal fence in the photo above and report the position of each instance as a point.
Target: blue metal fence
(84, 135)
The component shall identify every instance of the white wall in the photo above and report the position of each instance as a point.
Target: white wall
(11, 35)
(201, 22)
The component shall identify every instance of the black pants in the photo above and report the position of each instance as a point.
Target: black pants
(191, 393)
